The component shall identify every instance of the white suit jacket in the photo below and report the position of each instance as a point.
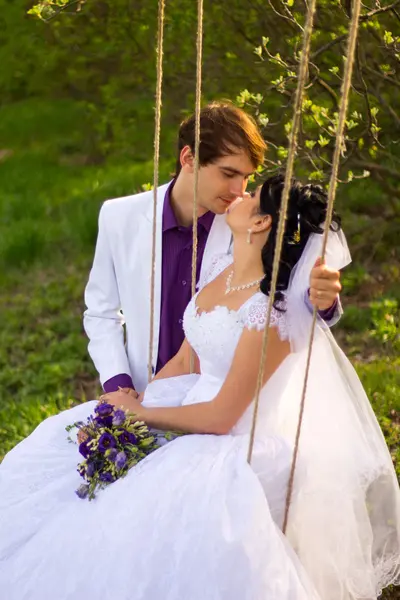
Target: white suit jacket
(120, 280)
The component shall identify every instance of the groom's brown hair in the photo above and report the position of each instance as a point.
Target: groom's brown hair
(224, 129)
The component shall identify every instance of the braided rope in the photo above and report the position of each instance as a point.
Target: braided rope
(160, 53)
(302, 77)
(345, 93)
(199, 46)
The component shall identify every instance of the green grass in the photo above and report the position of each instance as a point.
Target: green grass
(50, 193)
(381, 380)
(44, 365)
(56, 213)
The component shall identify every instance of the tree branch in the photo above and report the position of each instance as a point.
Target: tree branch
(365, 94)
(291, 19)
(390, 109)
(396, 14)
(366, 17)
(379, 168)
(384, 77)
(330, 90)
(381, 10)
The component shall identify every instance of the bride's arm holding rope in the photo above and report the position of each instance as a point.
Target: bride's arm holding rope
(220, 414)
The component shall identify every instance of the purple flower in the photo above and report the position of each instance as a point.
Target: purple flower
(111, 454)
(107, 477)
(104, 409)
(107, 441)
(119, 417)
(127, 438)
(84, 449)
(120, 460)
(90, 469)
(104, 421)
(82, 491)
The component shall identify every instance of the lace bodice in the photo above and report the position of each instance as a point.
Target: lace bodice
(215, 334)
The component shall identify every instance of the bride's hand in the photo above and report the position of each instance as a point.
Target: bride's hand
(126, 399)
(324, 286)
(114, 397)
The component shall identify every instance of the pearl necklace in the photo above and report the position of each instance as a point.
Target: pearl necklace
(237, 288)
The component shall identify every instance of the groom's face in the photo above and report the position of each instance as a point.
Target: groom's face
(222, 181)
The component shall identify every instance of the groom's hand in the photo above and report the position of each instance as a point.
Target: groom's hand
(324, 286)
(82, 436)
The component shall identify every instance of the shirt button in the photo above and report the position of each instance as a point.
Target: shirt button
(184, 282)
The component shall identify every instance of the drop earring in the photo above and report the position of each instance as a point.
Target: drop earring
(297, 234)
(249, 232)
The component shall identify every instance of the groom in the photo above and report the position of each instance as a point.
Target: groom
(118, 290)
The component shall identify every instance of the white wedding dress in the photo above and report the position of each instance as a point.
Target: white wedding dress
(194, 520)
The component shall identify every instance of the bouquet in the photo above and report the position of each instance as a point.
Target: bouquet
(114, 442)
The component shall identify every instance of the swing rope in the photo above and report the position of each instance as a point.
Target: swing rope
(302, 78)
(339, 146)
(199, 47)
(159, 53)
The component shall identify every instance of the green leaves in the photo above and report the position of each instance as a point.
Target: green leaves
(317, 175)
(48, 9)
(323, 141)
(373, 100)
(310, 144)
(388, 37)
(374, 112)
(246, 97)
(263, 120)
(255, 60)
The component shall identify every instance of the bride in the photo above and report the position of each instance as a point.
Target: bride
(194, 520)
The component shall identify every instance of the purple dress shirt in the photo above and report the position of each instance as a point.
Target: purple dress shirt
(176, 279)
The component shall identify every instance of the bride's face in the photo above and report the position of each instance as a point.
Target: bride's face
(244, 214)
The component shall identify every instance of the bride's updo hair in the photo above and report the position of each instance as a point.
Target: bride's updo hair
(305, 215)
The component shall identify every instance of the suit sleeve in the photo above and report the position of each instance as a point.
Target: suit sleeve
(103, 320)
